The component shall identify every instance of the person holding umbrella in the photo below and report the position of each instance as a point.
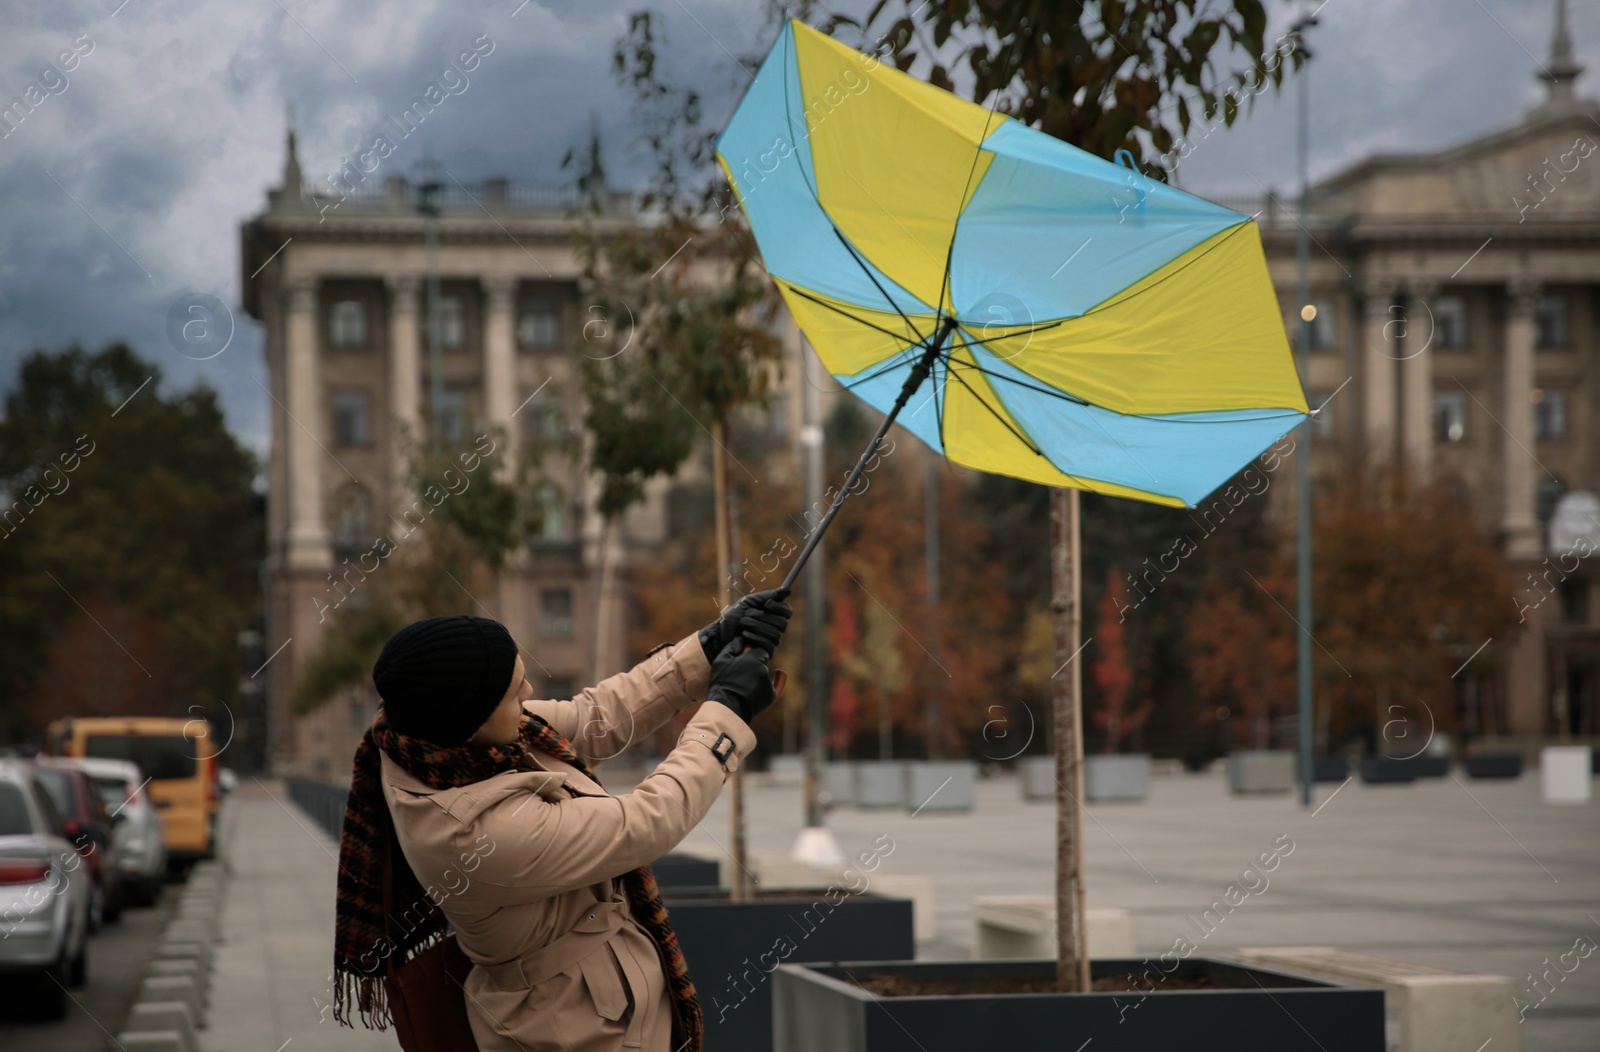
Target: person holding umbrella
(504, 833)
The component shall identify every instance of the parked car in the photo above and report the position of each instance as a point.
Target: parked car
(141, 848)
(177, 755)
(89, 825)
(227, 780)
(45, 892)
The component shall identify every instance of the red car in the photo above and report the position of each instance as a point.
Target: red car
(87, 824)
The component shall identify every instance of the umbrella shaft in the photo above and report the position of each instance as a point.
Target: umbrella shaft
(919, 373)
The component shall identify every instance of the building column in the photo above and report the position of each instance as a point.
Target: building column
(1416, 381)
(308, 531)
(1518, 467)
(405, 376)
(499, 356)
(1378, 371)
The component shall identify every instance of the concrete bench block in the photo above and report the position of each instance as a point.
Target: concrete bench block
(172, 950)
(153, 1041)
(917, 888)
(156, 1017)
(786, 871)
(1429, 1009)
(1116, 778)
(156, 988)
(194, 969)
(1011, 927)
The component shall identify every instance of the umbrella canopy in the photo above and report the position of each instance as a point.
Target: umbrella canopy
(1082, 325)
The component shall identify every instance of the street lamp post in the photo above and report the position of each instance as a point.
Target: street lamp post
(1303, 461)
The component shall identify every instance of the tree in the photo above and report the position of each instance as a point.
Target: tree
(424, 569)
(132, 507)
(1112, 673)
(1103, 75)
(700, 300)
(1409, 589)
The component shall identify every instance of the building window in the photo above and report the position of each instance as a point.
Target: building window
(1449, 323)
(1549, 414)
(552, 512)
(1575, 601)
(558, 688)
(350, 423)
(348, 325)
(1550, 321)
(1545, 498)
(1449, 416)
(451, 322)
(452, 416)
(352, 517)
(555, 613)
(539, 325)
(545, 421)
(1322, 427)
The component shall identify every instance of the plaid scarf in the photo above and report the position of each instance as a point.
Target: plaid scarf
(359, 934)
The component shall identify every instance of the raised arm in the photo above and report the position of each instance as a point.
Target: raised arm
(612, 715)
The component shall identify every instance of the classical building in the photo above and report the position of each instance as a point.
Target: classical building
(340, 283)
(1457, 329)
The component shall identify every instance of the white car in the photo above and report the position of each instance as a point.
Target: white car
(140, 841)
(45, 891)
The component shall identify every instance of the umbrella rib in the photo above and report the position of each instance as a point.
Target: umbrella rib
(788, 116)
(993, 412)
(803, 294)
(1054, 392)
(1010, 335)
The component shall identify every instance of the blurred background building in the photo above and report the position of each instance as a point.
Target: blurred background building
(1457, 300)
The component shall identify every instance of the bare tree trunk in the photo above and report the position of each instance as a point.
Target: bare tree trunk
(1072, 954)
(726, 531)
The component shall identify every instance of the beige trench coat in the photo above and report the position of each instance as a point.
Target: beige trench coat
(524, 864)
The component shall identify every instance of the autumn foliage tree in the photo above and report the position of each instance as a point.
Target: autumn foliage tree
(1112, 673)
(1407, 587)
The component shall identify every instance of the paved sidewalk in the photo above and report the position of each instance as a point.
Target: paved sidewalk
(271, 987)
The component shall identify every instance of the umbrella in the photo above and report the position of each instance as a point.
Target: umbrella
(1020, 305)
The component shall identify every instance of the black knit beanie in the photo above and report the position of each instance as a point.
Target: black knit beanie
(441, 678)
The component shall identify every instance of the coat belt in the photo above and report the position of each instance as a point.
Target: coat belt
(549, 961)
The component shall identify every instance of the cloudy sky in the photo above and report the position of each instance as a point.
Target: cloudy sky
(122, 193)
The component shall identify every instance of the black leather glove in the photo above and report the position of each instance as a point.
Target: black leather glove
(740, 679)
(760, 617)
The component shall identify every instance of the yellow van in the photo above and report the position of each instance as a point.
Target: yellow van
(176, 755)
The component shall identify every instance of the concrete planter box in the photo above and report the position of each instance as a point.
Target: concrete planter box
(880, 783)
(733, 947)
(788, 770)
(1261, 771)
(1564, 776)
(839, 783)
(686, 871)
(1326, 768)
(1493, 765)
(1036, 775)
(1381, 770)
(1110, 778)
(819, 1008)
(941, 785)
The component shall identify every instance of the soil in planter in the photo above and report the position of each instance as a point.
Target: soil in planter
(880, 985)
